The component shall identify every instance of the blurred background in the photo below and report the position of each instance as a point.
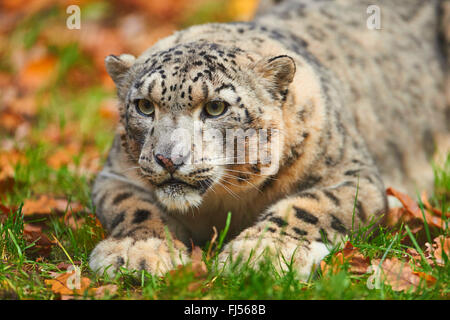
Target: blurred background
(57, 103)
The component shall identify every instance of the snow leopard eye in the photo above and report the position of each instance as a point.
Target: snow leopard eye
(144, 107)
(215, 108)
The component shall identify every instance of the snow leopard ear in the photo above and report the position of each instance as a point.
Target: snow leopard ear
(117, 66)
(279, 71)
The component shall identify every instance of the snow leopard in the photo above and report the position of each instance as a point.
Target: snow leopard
(343, 97)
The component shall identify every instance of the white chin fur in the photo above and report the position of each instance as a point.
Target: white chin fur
(179, 202)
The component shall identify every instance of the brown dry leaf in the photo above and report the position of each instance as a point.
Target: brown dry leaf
(101, 291)
(412, 208)
(198, 266)
(415, 256)
(358, 264)
(38, 72)
(99, 225)
(8, 160)
(89, 162)
(429, 207)
(74, 223)
(67, 284)
(4, 211)
(398, 274)
(430, 280)
(42, 244)
(65, 266)
(24, 106)
(55, 134)
(45, 205)
(334, 266)
(398, 215)
(440, 246)
(64, 156)
(9, 120)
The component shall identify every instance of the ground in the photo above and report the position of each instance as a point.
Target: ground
(57, 115)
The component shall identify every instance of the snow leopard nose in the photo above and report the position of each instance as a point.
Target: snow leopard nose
(167, 163)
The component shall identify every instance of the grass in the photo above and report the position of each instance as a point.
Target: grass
(75, 110)
(23, 276)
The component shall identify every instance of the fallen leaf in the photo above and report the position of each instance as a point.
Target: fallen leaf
(42, 244)
(440, 246)
(413, 255)
(9, 120)
(45, 205)
(429, 207)
(65, 265)
(38, 72)
(413, 208)
(398, 274)
(198, 266)
(25, 106)
(64, 155)
(358, 264)
(61, 136)
(109, 289)
(8, 160)
(430, 280)
(69, 283)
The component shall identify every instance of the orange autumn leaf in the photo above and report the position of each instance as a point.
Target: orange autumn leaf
(38, 72)
(399, 215)
(9, 120)
(65, 266)
(430, 280)
(24, 106)
(429, 207)
(398, 274)
(439, 248)
(413, 208)
(55, 134)
(45, 205)
(69, 283)
(358, 264)
(89, 163)
(63, 156)
(8, 160)
(109, 289)
(442, 246)
(415, 257)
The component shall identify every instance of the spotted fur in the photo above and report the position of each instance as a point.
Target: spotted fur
(356, 110)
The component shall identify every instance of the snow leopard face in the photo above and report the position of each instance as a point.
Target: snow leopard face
(199, 117)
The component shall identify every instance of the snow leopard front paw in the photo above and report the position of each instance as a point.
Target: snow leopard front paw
(153, 255)
(253, 251)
